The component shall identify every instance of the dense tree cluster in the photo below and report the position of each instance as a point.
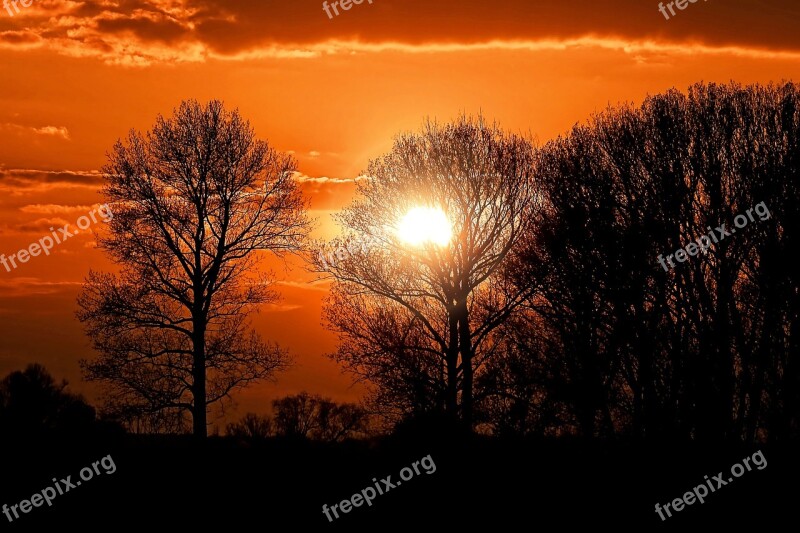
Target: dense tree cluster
(608, 342)
(303, 416)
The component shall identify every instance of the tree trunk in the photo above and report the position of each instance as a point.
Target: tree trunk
(199, 379)
(465, 345)
(452, 369)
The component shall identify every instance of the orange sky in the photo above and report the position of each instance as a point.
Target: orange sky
(78, 75)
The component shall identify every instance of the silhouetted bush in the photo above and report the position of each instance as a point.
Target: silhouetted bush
(33, 404)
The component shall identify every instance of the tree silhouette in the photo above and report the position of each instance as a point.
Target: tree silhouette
(193, 200)
(314, 417)
(138, 416)
(32, 403)
(707, 349)
(251, 428)
(418, 322)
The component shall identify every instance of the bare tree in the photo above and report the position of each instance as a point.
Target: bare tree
(251, 428)
(312, 416)
(705, 348)
(296, 416)
(418, 321)
(342, 421)
(193, 201)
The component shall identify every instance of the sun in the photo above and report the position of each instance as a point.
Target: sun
(425, 225)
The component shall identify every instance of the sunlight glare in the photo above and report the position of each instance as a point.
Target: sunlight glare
(425, 224)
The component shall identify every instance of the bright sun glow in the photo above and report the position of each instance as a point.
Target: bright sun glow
(425, 224)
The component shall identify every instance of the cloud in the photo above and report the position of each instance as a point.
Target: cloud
(54, 209)
(22, 181)
(52, 131)
(302, 178)
(327, 193)
(39, 226)
(21, 287)
(142, 32)
(280, 308)
(317, 285)
(19, 39)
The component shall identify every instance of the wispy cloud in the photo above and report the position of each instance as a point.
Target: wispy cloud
(27, 181)
(302, 178)
(280, 308)
(51, 131)
(54, 209)
(38, 226)
(21, 287)
(317, 285)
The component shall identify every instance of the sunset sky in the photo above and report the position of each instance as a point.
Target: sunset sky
(76, 76)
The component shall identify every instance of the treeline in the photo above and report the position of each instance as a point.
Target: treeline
(304, 416)
(33, 405)
(572, 297)
(612, 342)
(577, 328)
